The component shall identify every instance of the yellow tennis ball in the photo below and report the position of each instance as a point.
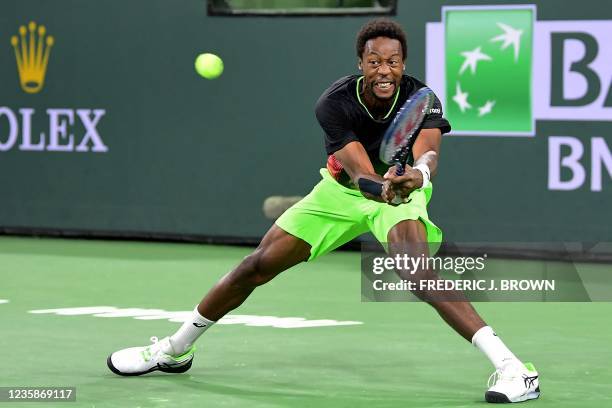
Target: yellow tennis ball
(209, 66)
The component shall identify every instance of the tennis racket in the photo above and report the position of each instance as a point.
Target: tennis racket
(398, 139)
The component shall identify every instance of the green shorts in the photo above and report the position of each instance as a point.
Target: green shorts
(331, 215)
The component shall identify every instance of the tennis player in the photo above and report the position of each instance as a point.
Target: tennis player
(354, 113)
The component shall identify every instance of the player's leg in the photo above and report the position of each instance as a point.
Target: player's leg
(515, 381)
(325, 219)
(277, 252)
(409, 237)
(322, 221)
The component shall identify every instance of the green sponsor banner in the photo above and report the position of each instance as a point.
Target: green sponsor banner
(488, 69)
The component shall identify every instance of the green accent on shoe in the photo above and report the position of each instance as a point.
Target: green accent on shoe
(187, 353)
(530, 367)
(146, 354)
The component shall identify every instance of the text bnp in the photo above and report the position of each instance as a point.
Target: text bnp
(566, 156)
(67, 130)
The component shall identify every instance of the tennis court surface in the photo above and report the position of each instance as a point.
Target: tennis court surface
(303, 340)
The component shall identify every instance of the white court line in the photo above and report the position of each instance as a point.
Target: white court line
(181, 316)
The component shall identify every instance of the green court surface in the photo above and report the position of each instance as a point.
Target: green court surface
(402, 355)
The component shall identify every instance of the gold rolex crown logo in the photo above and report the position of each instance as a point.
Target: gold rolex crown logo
(32, 54)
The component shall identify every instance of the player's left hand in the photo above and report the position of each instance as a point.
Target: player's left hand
(406, 183)
(388, 193)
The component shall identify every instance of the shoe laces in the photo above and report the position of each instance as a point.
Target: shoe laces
(151, 350)
(493, 378)
(506, 373)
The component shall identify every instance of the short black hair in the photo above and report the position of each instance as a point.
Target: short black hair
(380, 27)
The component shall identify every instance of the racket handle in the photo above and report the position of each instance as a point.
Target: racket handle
(399, 171)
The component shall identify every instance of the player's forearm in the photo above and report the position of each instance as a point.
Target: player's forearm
(356, 162)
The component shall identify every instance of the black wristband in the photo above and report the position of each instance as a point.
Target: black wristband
(370, 186)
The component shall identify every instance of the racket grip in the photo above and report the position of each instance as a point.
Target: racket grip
(399, 169)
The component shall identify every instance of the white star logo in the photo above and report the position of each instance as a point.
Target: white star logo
(472, 58)
(461, 99)
(511, 36)
(486, 108)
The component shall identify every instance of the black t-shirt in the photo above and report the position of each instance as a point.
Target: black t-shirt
(344, 119)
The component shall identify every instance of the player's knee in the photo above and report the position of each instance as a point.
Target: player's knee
(407, 231)
(251, 272)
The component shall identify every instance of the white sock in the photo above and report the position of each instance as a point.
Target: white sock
(487, 341)
(189, 332)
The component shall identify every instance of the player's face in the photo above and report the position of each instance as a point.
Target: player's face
(382, 65)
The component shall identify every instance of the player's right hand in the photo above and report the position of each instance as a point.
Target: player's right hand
(406, 183)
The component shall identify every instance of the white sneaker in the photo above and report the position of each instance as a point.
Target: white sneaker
(157, 356)
(513, 382)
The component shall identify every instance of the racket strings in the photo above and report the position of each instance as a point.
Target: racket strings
(406, 124)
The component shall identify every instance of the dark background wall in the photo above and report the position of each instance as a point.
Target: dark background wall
(192, 156)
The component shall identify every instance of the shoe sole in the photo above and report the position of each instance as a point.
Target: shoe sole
(499, 398)
(171, 370)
